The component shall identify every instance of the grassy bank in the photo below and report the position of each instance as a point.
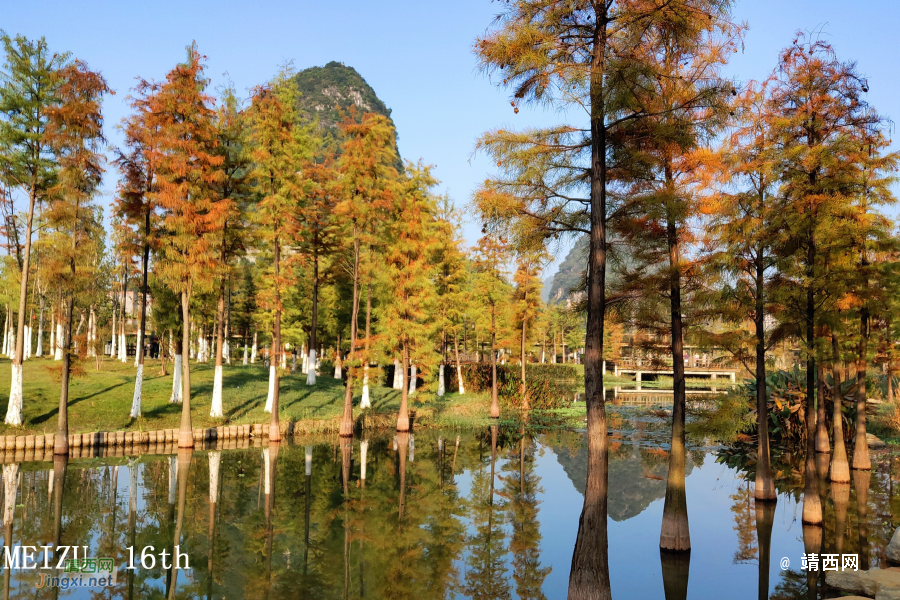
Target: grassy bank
(100, 401)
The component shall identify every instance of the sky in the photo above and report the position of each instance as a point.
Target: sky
(416, 54)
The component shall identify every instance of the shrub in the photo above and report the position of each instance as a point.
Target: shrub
(549, 386)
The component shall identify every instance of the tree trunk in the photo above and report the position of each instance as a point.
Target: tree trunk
(675, 535)
(765, 519)
(812, 505)
(860, 446)
(589, 572)
(495, 402)
(840, 466)
(186, 432)
(14, 410)
(459, 377)
(314, 322)
(764, 487)
(524, 391)
(40, 336)
(274, 425)
(346, 429)
(364, 402)
(61, 441)
(215, 410)
(823, 446)
(403, 417)
(139, 349)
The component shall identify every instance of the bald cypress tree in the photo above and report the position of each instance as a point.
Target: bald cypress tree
(29, 86)
(188, 169)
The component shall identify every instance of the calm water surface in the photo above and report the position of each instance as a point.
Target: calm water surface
(438, 515)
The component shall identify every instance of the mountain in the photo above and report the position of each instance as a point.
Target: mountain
(328, 93)
(571, 271)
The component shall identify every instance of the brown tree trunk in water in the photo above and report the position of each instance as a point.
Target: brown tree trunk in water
(403, 417)
(347, 418)
(822, 444)
(764, 487)
(840, 466)
(495, 402)
(186, 432)
(184, 467)
(402, 445)
(840, 495)
(675, 570)
(274, 425)
(675, 535)
(861, 480)
(589, 571)
(861, 446)
(812, 544)
(765, 519)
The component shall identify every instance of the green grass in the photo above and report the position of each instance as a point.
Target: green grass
(100, 401)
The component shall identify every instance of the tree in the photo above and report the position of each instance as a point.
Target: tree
(490, 287)
(232, 189)
(528, 301)
(75, 132)
(368, 176)
(277, 147)
(317, 237)
(745, 215)
(136, 204)
(188, 170)
(451, 282)
(409, 312)
(29, 85)
(819, 118)
(681, 86)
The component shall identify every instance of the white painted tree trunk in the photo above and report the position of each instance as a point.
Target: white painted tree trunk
(138, 388)
(255, 350)
(412, 379)
(270, 399)
(337, 367)
(40, 336)
(216, 408)
(363, 451)
(309, 451)
(175, 398)
(412, 447)
(459, 380)
(10, 491)
(123, 344)
(171, 344)
(364, 402)
(26, 353)
(14, 411)
(245, 355)
(90, 335)
(140, 341)
(311, 369)
(440, 391)
(304, 363)
(283, 359)
(57, 347)
(398, 375)
(215, 458)
(112, 340)
(226, 351)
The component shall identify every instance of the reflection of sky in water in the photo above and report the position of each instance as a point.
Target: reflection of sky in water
(716, 495)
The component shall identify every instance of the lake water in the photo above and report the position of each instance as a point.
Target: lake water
(439, 515)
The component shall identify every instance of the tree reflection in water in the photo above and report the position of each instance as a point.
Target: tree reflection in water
(468, 518)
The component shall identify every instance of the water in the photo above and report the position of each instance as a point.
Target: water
(433, 519)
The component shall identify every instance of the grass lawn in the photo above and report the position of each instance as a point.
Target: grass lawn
(100, 401)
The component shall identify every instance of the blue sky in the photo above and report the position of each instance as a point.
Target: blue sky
(415, 54)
